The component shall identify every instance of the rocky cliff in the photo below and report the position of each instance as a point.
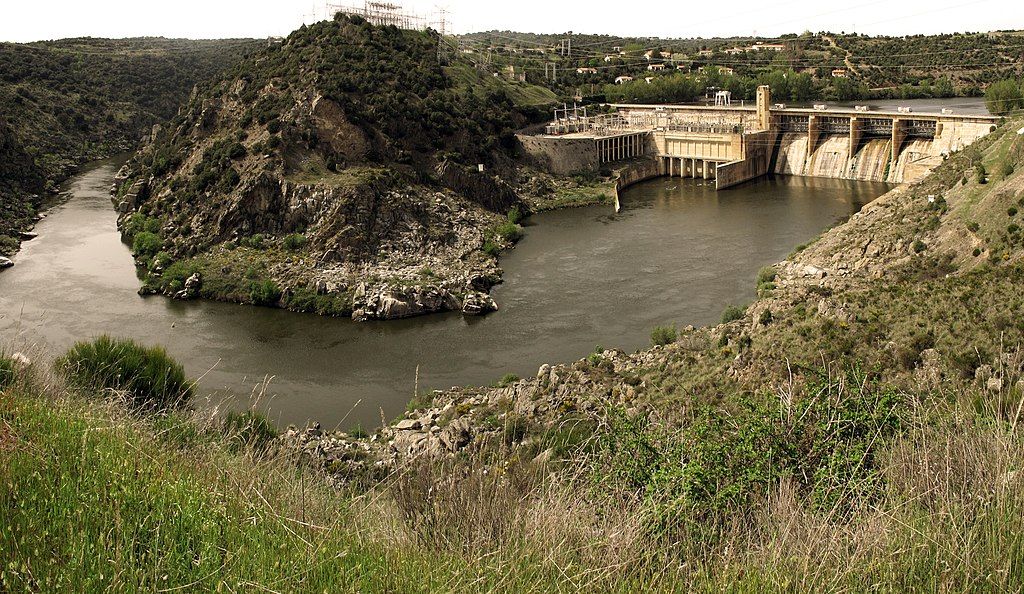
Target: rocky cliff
(335, 173)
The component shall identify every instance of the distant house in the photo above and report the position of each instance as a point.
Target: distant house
(666, 55)
(840, 73)
(648, 79)
(732, 51)
(586, 71)
(706, 53)
(723, 70)
(771, 47)
(655, 67)
(648, 55)
(623, 80)
(609, 58)
(682, 67)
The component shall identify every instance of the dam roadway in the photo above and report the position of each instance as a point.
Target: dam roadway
(732, 145)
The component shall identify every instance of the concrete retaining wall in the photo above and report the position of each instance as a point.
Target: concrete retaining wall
(561, 156)
(758, 147)
(635, 173)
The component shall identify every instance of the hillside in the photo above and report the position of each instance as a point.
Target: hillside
(70, 101)
(856, 428)
(799, 67)
(337, 173)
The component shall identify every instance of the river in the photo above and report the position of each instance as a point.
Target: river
(678, 252)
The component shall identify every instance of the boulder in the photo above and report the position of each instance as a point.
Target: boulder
(408, 425)
(5, 263)
(478, 304)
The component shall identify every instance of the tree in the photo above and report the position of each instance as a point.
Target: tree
(1004, 96)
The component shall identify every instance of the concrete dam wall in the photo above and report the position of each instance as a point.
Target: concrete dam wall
(872, 161)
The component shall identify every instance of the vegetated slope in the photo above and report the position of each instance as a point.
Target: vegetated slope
(336, 173)
(69, 101)
(798, 67)
(21, 181)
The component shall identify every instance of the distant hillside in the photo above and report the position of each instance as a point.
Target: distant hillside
(837, 65)
(69, 101)
(336, 172)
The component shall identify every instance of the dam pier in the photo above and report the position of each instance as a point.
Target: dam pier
(735, 144)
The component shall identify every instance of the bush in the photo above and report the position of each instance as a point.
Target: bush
(973, 226)
(491, 249)
(294, 242)
(733, 313)
(507, 380)
(248, 429)
(148, 375)
(919, 246)
(515, 216)
(662, 335)
(704, 475)
(138, 223)
(146, 245)
(253, 241)
(980, 174)
(264, 292)
(509, 231)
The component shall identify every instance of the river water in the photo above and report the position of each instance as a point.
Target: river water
(679, 252)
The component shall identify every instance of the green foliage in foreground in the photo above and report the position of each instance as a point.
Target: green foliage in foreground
(696, 479)
(148, 375)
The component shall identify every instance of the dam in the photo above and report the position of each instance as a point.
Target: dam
(735, 144)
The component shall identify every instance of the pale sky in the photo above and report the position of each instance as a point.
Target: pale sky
(30, 20)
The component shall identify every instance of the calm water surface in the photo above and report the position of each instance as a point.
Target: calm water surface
(677, 253)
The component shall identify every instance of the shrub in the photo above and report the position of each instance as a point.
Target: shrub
(704, 475)
(766, 275)
(507, 380)
(662, 335)
(919, 246)
(491, 249)
(148, 375)
(253, 241)
(248, 429)
(515, 216)
(973, 226)
(509, 231)
(733, 313)
(976, 252)
(294, 242)
(980, 175)
(1012, 211)
(146, 245)
(137, 223)
(264, 292)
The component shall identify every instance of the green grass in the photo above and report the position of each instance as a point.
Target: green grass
(147, 375)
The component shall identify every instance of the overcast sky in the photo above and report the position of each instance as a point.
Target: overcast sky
(30, 20)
